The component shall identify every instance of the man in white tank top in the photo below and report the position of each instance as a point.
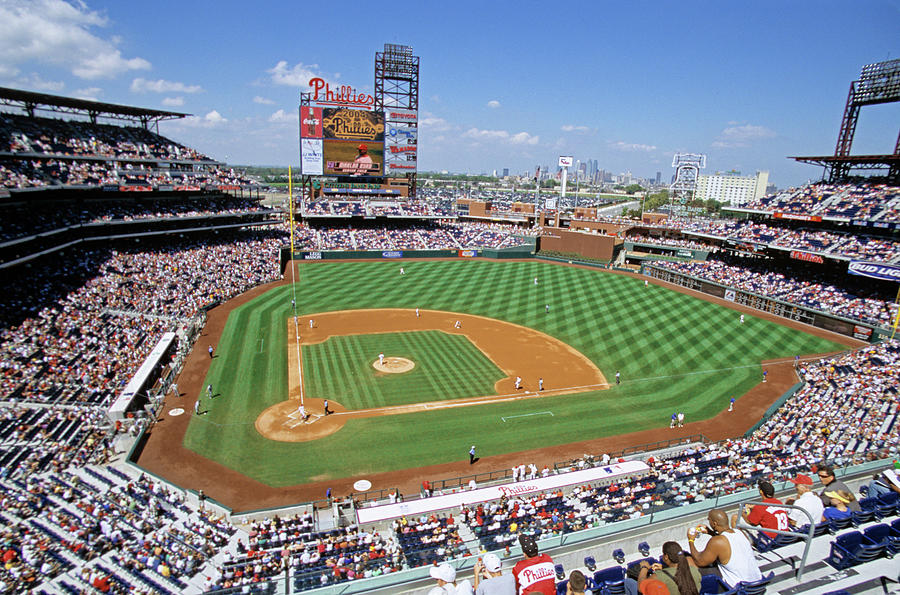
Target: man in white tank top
(727, 548)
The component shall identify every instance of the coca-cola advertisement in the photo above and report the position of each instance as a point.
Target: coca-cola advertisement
(310, 122)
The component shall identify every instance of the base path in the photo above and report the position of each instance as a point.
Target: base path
(517, 350)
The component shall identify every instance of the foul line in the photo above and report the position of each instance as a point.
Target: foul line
(550, 413)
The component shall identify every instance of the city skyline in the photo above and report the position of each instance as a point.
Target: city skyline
(502, 85)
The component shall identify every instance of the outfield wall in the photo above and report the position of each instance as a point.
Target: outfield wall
(525, 251)
(858, 330)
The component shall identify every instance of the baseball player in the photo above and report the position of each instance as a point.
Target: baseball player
(381, 359)
(311, 322)
(457, 325)
(680, 419)
(515, 473)
(535, 280)
(175, 389)
(417, 312)
(674, 420)
(742, 319)
(327, 412)
(541, 383)
(302, 411)
(731, 404)
(402, 272)
(518, 382)
(765, 374)
(646, 282)
(210, 350)
(209, 391)
(618, 377)
(197, 407)
(472, 455)
(547, 309)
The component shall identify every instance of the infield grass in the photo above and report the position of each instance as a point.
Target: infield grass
(674, 352)
(447, 367)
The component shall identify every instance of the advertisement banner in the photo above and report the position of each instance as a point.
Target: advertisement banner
(862, 333)
(312, 157)
(392, 254)
(400, 168)
(440, 501)
(875, 270)
(778, 215)
(310, 122)
(565, 161)
(468, 253)
(400, 134)
(353, 124)
(353, 158)
(395, 114)
(729, 295)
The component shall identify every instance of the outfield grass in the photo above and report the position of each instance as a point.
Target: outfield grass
(674, 352)
(447, 367)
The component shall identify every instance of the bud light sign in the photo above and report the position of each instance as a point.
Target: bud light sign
(875, 270)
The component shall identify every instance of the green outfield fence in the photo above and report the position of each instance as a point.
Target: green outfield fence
(526, 250)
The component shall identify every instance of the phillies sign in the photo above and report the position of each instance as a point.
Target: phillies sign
(342, 95)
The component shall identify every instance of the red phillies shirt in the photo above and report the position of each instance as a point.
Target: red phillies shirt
(535, 575)
(770, 517)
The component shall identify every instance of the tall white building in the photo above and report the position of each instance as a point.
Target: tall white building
(731, 187)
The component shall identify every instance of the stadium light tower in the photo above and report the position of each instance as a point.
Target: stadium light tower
(687, 170)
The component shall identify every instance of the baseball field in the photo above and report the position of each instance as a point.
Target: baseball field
(673, 351)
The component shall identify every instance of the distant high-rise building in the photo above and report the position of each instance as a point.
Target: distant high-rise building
(731, 187)
(658, 178)
(505, 172)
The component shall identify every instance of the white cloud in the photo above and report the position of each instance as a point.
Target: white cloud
(623, 146)
(89, 93)
(282, 116)
(493, 104)
(523, 138)
(58, 33)
(173, 101)
(574, 128)
(434, 124)
(742, 135)
(140, 85)
(520, 138)
(263, 100)
(210, 120)
(33, 82)
(297, 75)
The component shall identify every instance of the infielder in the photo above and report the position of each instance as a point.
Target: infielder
(311, 322)
(417, 312)
(541, 383)
(209, 390)
(518, 382)
(742, 319)
(680, 419)
(731, 404)
(457, 325)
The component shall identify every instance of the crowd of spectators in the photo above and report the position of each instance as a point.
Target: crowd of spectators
(756, 278)
(435, 236)
(336, 207)
(677, 242)
(21, 220)
(863, 201)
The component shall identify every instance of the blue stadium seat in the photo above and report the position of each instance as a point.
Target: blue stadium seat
(881, 535)
(610, 580)
(562, 587)
(850, 549)
(764, 543)
(888, 504)
(835, 525)
(560, 571)
(590, 563)
(868, 511)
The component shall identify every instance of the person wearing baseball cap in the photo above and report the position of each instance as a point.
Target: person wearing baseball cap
(534, 574)
(807, 500)
(769, 515)
(489, 580)
(446, 579)
(363, 162)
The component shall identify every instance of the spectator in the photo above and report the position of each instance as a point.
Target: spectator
(771, 516)
(884, 483)
(831, 484)
(839, 505)
(577, 583)
(730, 550)
(489, 578)
(534, 574)
(807, 500)
(446, 579)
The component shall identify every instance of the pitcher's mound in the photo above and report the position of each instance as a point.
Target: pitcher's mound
(394, 365)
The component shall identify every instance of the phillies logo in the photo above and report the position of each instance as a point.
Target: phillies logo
(344, 95)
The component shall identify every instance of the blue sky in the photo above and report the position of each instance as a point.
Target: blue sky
(502, 84)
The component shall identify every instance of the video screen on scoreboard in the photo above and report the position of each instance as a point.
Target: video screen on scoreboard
(354, 142)
(353, 158)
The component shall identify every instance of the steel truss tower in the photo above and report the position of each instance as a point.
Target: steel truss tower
(687, 170)
(397, 86)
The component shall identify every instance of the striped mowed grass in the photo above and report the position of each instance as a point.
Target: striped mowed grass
(447, 367)
(674, 352)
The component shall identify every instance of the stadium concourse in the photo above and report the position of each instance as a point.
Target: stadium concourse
(83, 311)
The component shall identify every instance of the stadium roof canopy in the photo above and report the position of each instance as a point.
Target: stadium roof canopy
(29, 101)
(891, 163)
